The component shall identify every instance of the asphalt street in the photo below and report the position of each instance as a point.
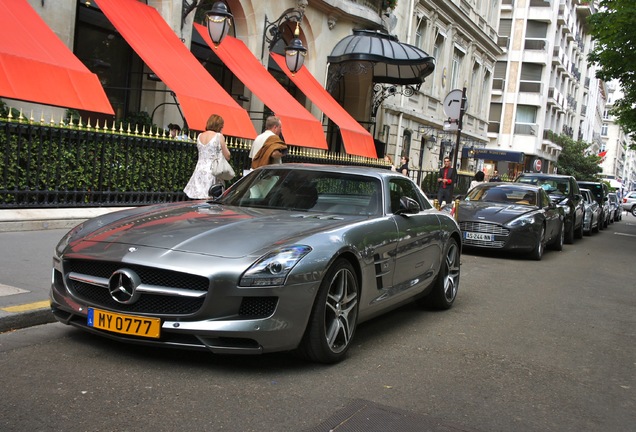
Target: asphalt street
(528, 346)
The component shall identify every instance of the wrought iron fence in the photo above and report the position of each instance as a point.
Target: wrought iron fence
(66, 165)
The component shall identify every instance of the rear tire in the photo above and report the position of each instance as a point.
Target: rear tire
(334, 317)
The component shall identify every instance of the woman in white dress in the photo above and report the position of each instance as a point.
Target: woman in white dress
(209, 144)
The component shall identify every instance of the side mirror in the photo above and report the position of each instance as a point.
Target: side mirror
(216, 190)
(408, 206)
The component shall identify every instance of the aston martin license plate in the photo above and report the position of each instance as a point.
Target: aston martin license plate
(125, 324)
(478, 236)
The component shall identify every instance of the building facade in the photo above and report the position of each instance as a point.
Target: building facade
(542, 80)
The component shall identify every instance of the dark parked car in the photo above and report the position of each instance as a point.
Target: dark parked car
(564, 191)
(511, 216)
(616, 207)
(600, 191)
(592, 218)
(291, 257)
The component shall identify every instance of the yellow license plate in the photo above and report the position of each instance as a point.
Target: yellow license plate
(125, 324)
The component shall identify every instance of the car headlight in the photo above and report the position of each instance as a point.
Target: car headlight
(272, 269)
(522, 221)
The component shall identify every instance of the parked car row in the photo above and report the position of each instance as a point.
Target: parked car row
(536, 211)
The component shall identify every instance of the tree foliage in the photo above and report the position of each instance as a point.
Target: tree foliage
(613, 28)
(573, 160)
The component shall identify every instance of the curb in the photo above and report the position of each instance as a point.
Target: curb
(26, 319)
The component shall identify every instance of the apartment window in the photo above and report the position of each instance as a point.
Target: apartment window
(531, 78)
(484, 91)
(606, 114)
(526, 120)
(474, 86)
(604, 129)
(406, 143)
(458, 56)
(438, 50)
(419, 32)
(494, 117)
(499, 75)
(526, 114)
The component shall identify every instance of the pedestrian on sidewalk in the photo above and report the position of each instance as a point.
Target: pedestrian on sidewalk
(209, 144)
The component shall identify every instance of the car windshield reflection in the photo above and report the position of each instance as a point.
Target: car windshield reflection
(306, 190)
(508, 195)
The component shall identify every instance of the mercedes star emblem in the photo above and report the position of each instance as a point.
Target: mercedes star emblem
(123, 286)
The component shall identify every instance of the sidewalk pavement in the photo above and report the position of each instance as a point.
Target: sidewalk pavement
(27, 238)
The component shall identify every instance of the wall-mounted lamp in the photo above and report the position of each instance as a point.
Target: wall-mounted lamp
(219, 22)
(295, 52)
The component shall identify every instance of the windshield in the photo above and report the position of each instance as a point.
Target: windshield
(550, 185)
(505, 195)
(307, 190)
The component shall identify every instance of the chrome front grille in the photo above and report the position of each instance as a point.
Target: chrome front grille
(167, 292)
(501, 234)
(483, 227)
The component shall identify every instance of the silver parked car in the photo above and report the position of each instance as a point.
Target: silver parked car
(592, 219)
(629, 202)
(291, 257)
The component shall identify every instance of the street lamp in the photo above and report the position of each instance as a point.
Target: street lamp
(295, 52)
(219, 22)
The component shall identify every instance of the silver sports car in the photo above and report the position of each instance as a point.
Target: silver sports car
(291, 257)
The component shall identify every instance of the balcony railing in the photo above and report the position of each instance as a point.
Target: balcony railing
(526, 128)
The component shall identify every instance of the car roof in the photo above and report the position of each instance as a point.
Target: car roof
(544, 175)
(509, 185)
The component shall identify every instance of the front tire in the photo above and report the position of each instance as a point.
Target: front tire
(537, 253)
(633, 212)
(446, 285)
(569, 236)
(558, 243)
(334, 317)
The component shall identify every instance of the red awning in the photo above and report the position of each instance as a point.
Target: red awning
(156, 43)
(36, 66)
(357, 140)
(299, 126)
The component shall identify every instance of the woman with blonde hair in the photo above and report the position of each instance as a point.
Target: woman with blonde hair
(209, 144)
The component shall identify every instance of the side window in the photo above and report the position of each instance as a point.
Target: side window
(399, 188)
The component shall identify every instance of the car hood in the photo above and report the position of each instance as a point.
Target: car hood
(203, 228)
(491, 212)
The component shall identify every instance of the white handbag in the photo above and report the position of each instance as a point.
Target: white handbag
(220, 167)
